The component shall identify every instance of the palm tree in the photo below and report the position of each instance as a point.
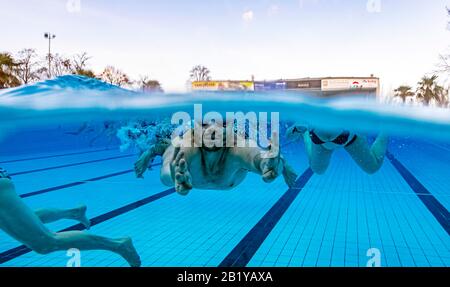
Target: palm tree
(199, 73)
(7, 71)
(429, 90)
(403, 92)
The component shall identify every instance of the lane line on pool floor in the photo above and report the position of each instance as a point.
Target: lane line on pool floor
(57, 155)
(70, 165)
(76, 183)
(244, 251)
(22, 250)
(433, 205)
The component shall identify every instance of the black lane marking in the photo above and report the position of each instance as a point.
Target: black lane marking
(241, 255)
(76, 183)
(21, 250)
(70, 165)
(58, 155)
(434, 206)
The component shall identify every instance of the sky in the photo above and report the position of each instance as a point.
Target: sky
(396, 40)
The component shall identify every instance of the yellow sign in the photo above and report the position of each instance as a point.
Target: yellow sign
(223, 86)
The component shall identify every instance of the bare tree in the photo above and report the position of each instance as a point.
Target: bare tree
(199, 73)
(60, 65)
(79, 61)
(148, 85)
(28, 66)
(114, 76)
(443, 65)
(79, 65)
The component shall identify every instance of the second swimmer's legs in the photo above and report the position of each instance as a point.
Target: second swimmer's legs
(47, 215)
(319, 157)
(370, 159)
(21, 223)
(84, 241)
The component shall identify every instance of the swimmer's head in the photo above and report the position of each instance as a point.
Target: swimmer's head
(213, 137)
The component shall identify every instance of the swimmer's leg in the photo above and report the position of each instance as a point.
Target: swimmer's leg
(47, 215)
(369, 159)
(94, 139)
(319, 157)
(21, 223)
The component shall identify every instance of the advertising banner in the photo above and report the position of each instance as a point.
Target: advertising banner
(270, 86)
(349, 84)
(236, 86)
(205, 86)
(303, 84)
(223, 86)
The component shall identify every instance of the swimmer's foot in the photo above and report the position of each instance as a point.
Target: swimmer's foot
(79, 214)
(183, 179)
(128, 252)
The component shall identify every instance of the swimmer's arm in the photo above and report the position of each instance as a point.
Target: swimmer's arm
(147, 157)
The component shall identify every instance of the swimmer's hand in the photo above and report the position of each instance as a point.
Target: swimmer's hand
(183, 179)
(295, 132)
(289, 175)
(271, 163)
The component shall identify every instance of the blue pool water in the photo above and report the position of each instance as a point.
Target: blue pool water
(325, 220)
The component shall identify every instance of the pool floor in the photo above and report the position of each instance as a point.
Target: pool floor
(329, 220)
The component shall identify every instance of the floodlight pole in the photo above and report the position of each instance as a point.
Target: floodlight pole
(50, 37)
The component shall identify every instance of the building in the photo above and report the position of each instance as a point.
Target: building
(334, 86)
(324, 87)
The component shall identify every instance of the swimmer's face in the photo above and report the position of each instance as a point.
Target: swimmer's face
(210, 136)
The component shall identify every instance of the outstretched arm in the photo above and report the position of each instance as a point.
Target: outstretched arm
(268, 163)
(370, 159)
(148, 156)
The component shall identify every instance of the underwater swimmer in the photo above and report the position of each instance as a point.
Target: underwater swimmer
(108, 129)
(321, 144)
(219, 168)
(84, 128)
(27, 226)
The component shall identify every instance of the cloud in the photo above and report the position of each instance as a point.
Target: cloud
(247, 16)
